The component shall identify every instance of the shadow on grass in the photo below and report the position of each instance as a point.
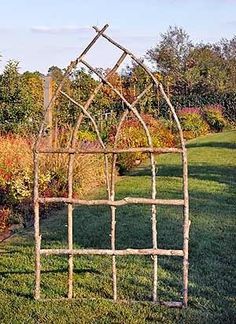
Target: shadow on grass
(199, 172)
(61, 270)
(227, 145)
(15, 290)
(29, 296)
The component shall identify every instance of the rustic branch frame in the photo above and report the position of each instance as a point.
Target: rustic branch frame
(110, 182)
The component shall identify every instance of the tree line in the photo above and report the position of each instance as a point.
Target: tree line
(192, 74)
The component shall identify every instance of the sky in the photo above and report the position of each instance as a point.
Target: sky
(43, 33)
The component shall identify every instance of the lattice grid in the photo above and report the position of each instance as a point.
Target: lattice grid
(110, 178)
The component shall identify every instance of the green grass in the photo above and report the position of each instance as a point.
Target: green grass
(212, 174)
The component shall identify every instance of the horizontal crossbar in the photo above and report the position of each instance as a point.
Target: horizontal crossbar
(122, 202)
(111, 252)
(113, 151)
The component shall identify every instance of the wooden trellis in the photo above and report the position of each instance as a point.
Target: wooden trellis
(110, 178)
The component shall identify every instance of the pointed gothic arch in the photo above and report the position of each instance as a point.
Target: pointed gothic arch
(110, 178)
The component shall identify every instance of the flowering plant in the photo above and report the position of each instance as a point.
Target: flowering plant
(192, 122)
(16, 178)
(132, 134)
(213, 115)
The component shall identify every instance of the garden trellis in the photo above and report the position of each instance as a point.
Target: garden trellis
(110, 171)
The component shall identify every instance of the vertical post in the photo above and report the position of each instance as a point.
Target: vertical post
(113, 233)
(70, 226)
(37, 229)
(154, 227)
(47, 100)
(113, 226)
(186, 224)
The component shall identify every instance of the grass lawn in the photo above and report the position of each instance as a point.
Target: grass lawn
(212, 183)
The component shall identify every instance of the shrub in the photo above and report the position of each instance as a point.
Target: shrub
(86, 135)
(192, 122)
(88, 173)
(213, 115)
(4, 217)
(16, 178)
(133, 135)
(15, 175)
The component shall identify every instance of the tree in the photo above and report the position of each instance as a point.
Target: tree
(226, 49)
(206, 72)
(32, 96)
(135, 80)
(10, 83)
(170, 56)
(11, 109)
(20, 99)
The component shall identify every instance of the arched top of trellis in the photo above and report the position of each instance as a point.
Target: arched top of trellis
(104, 80)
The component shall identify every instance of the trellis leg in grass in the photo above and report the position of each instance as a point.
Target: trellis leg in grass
(70, 226)
(37, 228)
(113, 227)
(113, 209)
(186, 225)
(154, 227)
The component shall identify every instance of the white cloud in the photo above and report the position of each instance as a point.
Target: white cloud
(60, 30)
